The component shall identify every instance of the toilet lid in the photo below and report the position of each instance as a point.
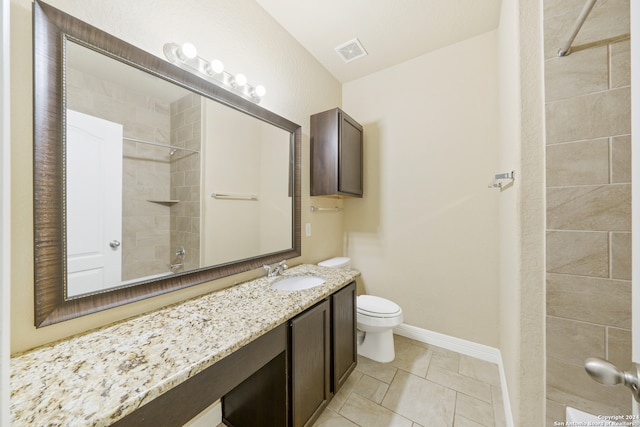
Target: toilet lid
(376, 306)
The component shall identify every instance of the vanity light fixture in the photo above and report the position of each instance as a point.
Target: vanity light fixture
(186, 57)
(239, 80)
(216, 66)
(187, 51)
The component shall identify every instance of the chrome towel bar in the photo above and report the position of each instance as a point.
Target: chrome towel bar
(315, 209)
(234, 196)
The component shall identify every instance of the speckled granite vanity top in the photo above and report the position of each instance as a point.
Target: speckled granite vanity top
(96, 378)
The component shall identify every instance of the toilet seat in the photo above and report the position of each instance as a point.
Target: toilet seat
(372, 306)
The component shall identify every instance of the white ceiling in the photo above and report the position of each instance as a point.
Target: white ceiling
(391, 31)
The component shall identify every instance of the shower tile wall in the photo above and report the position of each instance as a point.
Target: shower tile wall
(186, 120)
(146, 169)
(588, 156)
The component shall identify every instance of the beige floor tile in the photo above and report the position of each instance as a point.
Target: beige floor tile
(387, 394)
(461, 383)
(397, 338)
(479, 369)
(366, 413)
(461, 421)
(344, 392)
(412, 358)
(380, 371)
(331, 419)
(420, 400)
(371, 388)
(445, 359)
(474, 409)
(498, 407)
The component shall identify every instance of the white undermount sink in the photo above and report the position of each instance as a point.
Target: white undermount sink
(297, 283)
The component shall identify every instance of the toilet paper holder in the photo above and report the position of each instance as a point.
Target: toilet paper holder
(498, 181)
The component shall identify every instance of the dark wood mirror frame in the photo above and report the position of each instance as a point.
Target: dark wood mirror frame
(50, 29)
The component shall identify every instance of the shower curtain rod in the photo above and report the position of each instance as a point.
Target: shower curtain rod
(566, 48)
(173, 147)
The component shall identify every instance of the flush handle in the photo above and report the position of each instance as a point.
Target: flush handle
(607, 373)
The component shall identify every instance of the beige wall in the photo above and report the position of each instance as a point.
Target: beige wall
(232, 30)
(509, 225)
(5, 226)
(425, 233)
(522, 212)
(588, 171)
(244, 156)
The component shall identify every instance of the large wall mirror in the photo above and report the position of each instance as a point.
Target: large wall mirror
(147, 179)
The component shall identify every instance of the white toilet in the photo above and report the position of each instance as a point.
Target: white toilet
(376, 319)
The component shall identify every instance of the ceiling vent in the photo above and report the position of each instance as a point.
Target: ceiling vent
(351, 50)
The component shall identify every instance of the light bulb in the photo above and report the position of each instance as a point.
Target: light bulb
(240, 79)
(216, 66)
(187, 51)
(260, 91)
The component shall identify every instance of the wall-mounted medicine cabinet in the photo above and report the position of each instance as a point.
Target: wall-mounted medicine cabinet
(336, 155)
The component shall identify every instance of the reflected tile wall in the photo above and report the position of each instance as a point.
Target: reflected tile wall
(146, 169)
(186, 125)
(588, 126)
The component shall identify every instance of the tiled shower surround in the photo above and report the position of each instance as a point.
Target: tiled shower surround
(186, 125)
(588, 173)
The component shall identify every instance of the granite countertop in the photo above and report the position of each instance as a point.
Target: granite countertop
(96, 378)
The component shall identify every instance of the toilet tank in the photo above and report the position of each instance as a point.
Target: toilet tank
(337, 262)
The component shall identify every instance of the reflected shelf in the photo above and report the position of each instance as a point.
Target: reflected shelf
(164, 202)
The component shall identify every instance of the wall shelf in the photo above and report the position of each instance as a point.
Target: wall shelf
(167, 202)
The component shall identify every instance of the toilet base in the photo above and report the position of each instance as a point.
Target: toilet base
(377, 346)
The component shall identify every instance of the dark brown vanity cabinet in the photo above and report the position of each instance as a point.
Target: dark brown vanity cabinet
(336, 155)
(343, 338)
(310, 364)
(321, 353)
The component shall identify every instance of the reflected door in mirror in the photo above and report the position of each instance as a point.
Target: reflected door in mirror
(94, 203)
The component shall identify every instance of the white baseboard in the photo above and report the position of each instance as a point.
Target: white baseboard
(468, 348)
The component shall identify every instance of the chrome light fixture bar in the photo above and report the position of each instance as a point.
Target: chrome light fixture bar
(186, 57)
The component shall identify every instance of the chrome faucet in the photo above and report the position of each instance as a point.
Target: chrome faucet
(274, 271)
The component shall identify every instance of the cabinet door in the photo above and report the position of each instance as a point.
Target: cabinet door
(350, 156)
(336, 155)
(310, 364)
(345, 352)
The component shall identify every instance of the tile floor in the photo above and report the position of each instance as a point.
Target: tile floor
(424, 386)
